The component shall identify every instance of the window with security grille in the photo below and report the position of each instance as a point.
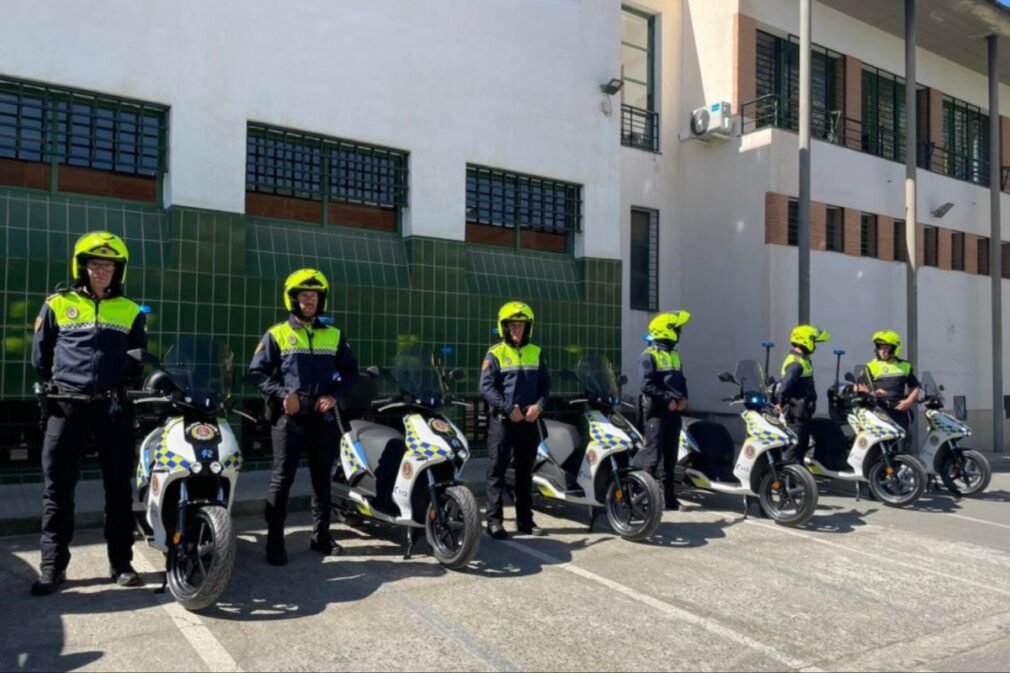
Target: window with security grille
(777, 72)
(639, 117)
(983, 256)
(835, 229)
(900, 248)
(301, 176)
(65, 139)
(883, 122)
(965, 152)
(644, 262)
(931, 246)
(1005, 260)
(868, 235)
(793, 223)
(521, 211)
(957, 251)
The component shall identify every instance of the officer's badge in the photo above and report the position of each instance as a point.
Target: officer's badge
(38, 323)
(508, 361)
(292, 339)
(72, 312)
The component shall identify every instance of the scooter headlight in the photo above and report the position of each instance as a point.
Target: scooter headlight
(216, 467)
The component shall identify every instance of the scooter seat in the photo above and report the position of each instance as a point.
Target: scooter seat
(563, 441)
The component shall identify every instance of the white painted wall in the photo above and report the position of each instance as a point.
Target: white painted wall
(495, 82)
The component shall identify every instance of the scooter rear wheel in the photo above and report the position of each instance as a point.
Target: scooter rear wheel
(453, 539)
(199, 569)
(634, 505)
(966, 475)
(790, 497)
(903, 486)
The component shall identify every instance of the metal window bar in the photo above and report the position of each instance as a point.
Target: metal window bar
(982, 257)
(899, 241)
(644, 285)
(960, 165)
(931, 247)
(305, 166)
(639, 128)
(868, 235)
(44, 123)
(957, 251)
(506, 199)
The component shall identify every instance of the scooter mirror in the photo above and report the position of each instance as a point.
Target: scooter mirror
(373, 371)
(622, 380)
(726, 377)
(849, 377)
(142, 356)
(457, 374)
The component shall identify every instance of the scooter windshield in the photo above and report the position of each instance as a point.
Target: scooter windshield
(202, 368)
(751, 377)
(416, 374)
(930, 388)
(596, 375)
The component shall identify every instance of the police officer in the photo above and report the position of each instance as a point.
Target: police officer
(663, 399)
(797, 395)
(515, 383)
(80, 346)
(891, 379)
(306, 364)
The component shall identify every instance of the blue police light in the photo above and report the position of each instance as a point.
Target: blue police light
(648, 338)
(838, 351)
(144, 308)
(446, 350)
(756, 400)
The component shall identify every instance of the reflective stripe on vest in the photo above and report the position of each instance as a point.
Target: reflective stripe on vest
(305, 341)
(666, 361)
(514, 359)
(76, 312)
(808, 369)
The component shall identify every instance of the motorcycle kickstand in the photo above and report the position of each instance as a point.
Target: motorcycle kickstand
(592, 517)
(746, 506)
(859, 493)
(412, 537)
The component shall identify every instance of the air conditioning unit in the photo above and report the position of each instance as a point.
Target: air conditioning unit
(713, 120)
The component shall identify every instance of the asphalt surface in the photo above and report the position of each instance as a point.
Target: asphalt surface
(862, 587)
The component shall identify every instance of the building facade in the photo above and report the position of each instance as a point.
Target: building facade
(726, 206)
(395, 146)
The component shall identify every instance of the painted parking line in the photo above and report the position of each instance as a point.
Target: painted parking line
(667, 609)
(204, 643)
(969, 518)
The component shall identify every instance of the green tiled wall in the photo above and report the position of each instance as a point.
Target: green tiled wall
(220, 274)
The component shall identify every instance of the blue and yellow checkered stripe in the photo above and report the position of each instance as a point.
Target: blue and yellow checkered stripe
(352, 456)
(163, 457)
(234, 461)
(606, 439)
(417, 445)
(762, 435)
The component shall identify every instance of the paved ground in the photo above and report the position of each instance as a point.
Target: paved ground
(864, 587)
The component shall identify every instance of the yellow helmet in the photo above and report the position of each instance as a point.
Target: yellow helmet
(667, 325)
(302, 280)
(515, 311)
(889, 337)
(100, 245)
(807, 337)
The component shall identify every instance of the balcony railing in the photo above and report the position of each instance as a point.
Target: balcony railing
(639, 128)
(958, 165)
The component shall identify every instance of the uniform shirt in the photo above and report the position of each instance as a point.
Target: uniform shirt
(893, 376)
(310, 360)
(797, 379)
(511, 376)
(81, 341)
(662, 378)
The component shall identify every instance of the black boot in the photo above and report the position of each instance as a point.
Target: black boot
(276, 554)
(49, 581)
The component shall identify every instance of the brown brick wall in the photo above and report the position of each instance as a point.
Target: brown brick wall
(818, 226)
(944, 248)
(885, 238)
(920, 243)
(971, 253)
(1004, 130)
(104, 183)
(744, 56)
(776, 218)
(853, 231)
(34, 175)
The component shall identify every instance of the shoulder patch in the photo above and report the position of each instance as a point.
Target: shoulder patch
(485, 364)
(38, 323)
(259, 348)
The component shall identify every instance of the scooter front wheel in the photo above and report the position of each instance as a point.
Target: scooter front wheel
(199, 569)
(634, 505)
(455, 536)
(900, 485)
(967, 474)
(789, 497)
